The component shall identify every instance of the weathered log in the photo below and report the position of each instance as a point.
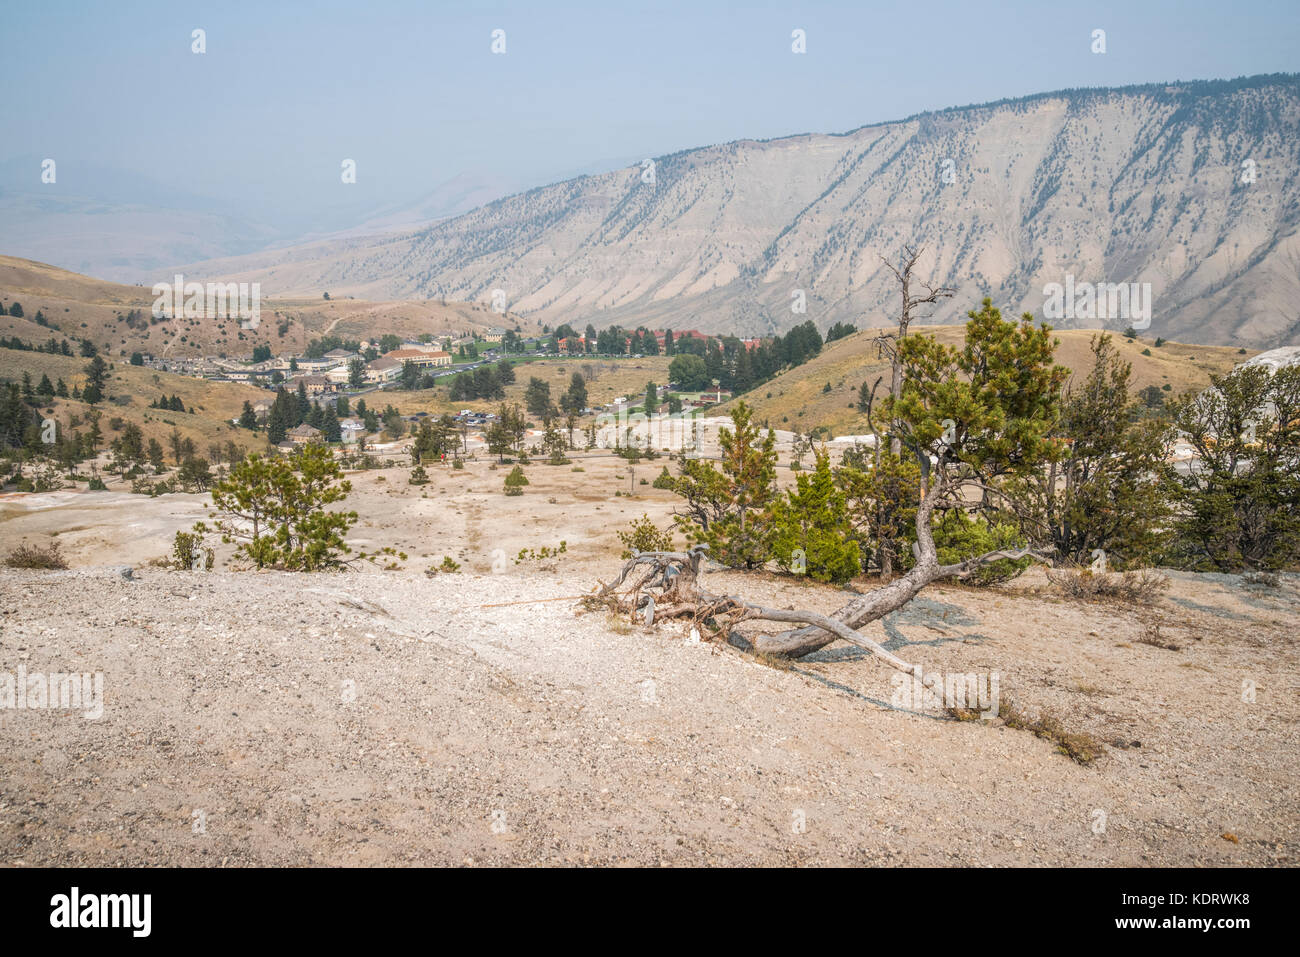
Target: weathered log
(890, 597)
(676, 575)
(684, 598)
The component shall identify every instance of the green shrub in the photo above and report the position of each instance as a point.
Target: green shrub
(188, 551)
(530, 554)
(642, 535)
(516, 481)
(958, 537)
(810, 526)
(34, 556)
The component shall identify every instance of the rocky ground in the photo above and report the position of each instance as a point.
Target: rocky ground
(393, 718)
(389, 717)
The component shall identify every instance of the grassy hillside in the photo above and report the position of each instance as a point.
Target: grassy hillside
(79, 307)
(129, 391)
(798, 399)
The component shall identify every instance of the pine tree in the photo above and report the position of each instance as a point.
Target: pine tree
(809, 527)
(1105, 489)
(575, 400)
(330, 425)
(282, 417)
(743, 377)
(741, 535)
(1237, 508)
(537, 398)
(303, 405)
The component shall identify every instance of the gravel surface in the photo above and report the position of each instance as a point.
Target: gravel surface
(366, 719)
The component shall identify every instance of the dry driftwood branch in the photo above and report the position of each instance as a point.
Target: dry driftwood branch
(879, 602)
(677, 575)
(679, 594)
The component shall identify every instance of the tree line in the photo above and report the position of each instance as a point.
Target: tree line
(992, 453)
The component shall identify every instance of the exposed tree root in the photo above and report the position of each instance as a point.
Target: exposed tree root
(666, 585)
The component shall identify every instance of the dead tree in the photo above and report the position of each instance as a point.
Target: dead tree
(668, 587)
(960, 423)
(888, 341)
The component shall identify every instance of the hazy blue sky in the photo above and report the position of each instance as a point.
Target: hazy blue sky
(413, 93)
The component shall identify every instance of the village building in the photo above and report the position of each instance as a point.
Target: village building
(422, 358)
(421, 346)
(340, 375)
(303, 434)
(353, 429)
(304, 364)
(314, 384)
(383, 370)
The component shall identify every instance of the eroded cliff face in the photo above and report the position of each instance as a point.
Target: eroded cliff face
(1191, 189)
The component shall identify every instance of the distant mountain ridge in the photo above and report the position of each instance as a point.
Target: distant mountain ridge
(1189, 187)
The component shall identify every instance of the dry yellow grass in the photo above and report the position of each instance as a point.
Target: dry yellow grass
(797, 399)
(83, 307)
(131, 389)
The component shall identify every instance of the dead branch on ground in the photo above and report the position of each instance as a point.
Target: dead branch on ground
(655, 586)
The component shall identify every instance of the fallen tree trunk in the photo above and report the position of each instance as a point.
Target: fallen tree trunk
(676, 575)
(669, 588)
(879, 602)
